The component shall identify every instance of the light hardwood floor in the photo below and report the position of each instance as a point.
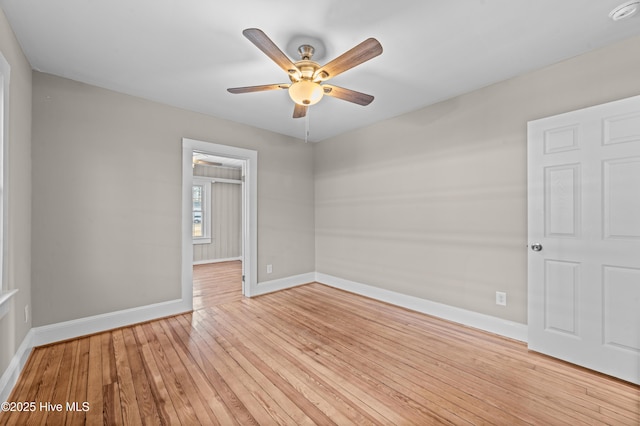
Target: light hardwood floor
(309, 355)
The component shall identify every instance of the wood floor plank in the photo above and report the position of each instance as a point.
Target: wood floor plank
(278, 405)
(216, 283)
(401, 380)
(109, 370)
(482, 373)
(301, 411)
(94, 385)
(149, 413)
(343, 385)
(309, 355)
(128, 400)
(379, 367)
(166, 410)
(75, 413)
(298, 378)
(111, 407)
(42, 389)
(185, 411)
(245, 387)
(193, 383)
(207, 364)
(63, 386)
(112, 411)
(187, 347)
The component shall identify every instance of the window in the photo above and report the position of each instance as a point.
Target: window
(198, 195)
(201, 210)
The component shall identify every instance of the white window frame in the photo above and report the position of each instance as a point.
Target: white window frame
(5, 292)
(206, 209)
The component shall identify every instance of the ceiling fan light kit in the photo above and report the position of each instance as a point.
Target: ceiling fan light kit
(307, 76)
(625, 10)
(306, 92)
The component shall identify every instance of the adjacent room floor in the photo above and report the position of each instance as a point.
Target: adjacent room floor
(308, 355)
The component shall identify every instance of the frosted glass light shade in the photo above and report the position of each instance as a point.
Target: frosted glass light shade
(306, 92)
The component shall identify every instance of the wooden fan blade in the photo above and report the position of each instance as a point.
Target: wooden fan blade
(299, 111)
(262, 88)
(270, 49)
(347, 95)
(368, 49)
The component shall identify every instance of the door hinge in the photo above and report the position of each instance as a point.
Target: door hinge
(243, 278)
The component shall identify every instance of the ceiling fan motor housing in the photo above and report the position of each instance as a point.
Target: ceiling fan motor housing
(304, 90)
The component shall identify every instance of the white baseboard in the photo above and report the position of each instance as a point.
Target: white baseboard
(95, 324)
(484, 322)
(284, 283)
(205, 262)
(52, 333)
(10, 375)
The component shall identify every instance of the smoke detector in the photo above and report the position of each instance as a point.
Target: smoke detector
(625, 10)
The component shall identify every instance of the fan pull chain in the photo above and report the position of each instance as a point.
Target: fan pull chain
(306, 127)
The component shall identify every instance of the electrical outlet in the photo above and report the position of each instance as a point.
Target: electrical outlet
(26, 313)
(501, 298)
(269, 269)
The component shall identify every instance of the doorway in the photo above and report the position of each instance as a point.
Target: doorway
(247, 161)
(217, 208)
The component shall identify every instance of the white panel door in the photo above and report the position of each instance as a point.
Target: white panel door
(584, 237)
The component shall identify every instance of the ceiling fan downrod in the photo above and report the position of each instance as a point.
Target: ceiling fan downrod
(306, 51)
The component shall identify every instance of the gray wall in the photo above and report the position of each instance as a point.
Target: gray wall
(226, 215)
(107, 194)
(433, 203)
(13, 327)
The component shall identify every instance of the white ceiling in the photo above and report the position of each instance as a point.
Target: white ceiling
(186, 53)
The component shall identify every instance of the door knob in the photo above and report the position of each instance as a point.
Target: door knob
(536, 247)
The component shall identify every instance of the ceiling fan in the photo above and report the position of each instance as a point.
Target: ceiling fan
(307, 77)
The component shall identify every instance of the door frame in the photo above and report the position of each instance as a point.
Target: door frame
(249, 212)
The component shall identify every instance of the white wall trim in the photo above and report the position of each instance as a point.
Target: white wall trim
(51, 333)
(5, 85)
(228, 259)
(510, 329)
(284, 283)
(11, 374)
(5, 298)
